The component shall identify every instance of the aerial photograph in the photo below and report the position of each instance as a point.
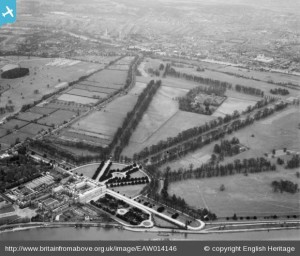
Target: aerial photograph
(159, 120)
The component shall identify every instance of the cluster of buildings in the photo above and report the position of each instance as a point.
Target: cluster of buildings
(50, 195)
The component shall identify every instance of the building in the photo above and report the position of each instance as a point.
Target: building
(85, 191)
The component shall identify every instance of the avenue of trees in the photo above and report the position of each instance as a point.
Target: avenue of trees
(123, 134)
(95, 175)
(208, 81)
(250, 165)
(279, 91)
(195, 138)
(249, 90)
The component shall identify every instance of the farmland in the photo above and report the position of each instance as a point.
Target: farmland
(45, 76)
(104, 123)
(77, 99)
(108, 78)
(244, 195)
(89, 94)
(33, 129)
(57, 118)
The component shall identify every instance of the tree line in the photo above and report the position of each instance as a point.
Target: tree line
(123, 134)
(249, 90)
(279, 91)
(96, 173)
(195, 138)
(208, 81)
(208, 170)
(59, 153)
(203, 80)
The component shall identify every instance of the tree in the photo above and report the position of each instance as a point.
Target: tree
(234, 217)
(222, 187)
(213, 158)
(217, 149)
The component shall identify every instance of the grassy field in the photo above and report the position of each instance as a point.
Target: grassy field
(33, 128)
(264, 86)
(92, 87)
(103, 124)
(96, 59)
(163, 118)
(232, 104)
(129, 191)
(89, 138)
(57, 118)
(42, 110)
(276, 132)
(244, 195)
(89, 94)
(64, 105)
(77, 99)
(264, 76)
(10, 139)
(28, 116)
(109, 78)
(13, 123)
(87, 171)
(45, 75)
(77, 151)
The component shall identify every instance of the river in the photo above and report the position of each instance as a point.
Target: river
(68, 233)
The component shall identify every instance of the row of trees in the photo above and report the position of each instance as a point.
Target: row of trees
(56, 152)
(208, 170)
(279, 91)
(130, 182)
(270, 81)
(249, 90)
(106, 174)
(197, 137)
(96, 173)
(203, 80)
(123, 134)
(131, 72)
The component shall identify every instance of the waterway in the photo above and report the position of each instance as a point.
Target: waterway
(69, 233)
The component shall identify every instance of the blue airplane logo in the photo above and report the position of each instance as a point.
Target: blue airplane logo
(7, 11)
